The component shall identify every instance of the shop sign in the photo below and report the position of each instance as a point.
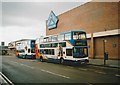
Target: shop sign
(52, 21)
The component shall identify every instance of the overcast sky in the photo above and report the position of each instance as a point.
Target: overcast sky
(22, 20)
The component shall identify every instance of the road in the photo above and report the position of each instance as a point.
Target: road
(33, 71)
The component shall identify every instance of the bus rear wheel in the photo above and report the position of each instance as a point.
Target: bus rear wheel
(61, 60)
(24, 56)
(17, 55)
(41, 59)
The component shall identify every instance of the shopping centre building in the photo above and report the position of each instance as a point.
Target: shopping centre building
(99, 20)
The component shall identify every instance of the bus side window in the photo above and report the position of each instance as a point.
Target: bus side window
(41, 51)
(49, 51)
(63, 44)
(45, 51)
(28, 50)
(52, 51)
(54, 44)
(68, 52)
(32, 50)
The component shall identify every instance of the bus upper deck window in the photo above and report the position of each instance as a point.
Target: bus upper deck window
(78, 35)
(61, 37)
(75, 35)
(50, 39)
(68, 36)
(54, 38)
(82, 36)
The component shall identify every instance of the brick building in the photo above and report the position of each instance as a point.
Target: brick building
(100, 21)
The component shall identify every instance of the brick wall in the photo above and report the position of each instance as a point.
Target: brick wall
(91, 17)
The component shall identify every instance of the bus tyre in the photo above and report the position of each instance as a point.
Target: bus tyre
(18, 55)
(24, 56)
(41, 59)
(61, 60)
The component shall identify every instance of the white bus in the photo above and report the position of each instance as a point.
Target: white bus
(70, 46)
(25, 48)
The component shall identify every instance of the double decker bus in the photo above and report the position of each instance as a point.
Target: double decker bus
(68, 46)
(25, 48)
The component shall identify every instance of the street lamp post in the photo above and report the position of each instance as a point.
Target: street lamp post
(104, 50)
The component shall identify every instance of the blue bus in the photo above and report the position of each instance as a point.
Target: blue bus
(68, 46)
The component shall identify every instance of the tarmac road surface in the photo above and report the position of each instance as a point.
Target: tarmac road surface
(34, 71)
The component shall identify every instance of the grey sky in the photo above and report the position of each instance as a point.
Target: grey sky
(37, 11)
(27, 19)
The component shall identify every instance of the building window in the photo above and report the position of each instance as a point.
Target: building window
(114, 45)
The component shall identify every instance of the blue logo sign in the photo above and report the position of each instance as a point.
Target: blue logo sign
(52, 21)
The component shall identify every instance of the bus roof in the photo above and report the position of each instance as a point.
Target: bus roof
(72, 31)
(24, 40)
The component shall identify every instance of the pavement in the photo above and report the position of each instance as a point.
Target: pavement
(109, 63)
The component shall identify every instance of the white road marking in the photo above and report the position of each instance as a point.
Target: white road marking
(55, 74)
(90, 84)
(22, 64)
(100, 72)
(33, 60)
(27, 66)
(7, 80)
(29, 60)
(82, 69)
(14, 62)
(69, 66)
(9, 56)
(117, 75)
